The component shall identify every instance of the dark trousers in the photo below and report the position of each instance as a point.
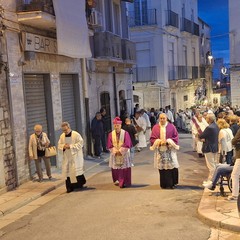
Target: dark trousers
(81, 180)
(97, 145)
(168, 178)
(103, 140)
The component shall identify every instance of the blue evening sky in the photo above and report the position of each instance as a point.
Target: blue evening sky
(215, 14)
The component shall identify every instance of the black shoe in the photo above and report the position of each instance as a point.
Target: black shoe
(212, 188)
(69, 190)
(106, 151)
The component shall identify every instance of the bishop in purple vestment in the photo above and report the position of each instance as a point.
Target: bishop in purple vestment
(119, 143)
(164, 140)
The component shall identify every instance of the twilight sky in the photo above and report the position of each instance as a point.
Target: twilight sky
(215, 14)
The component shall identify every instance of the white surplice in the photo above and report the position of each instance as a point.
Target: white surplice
(72, 159)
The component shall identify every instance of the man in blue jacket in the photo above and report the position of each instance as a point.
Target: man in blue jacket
(210, 143)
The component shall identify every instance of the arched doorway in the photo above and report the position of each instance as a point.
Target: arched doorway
(122, 101)
(105, 103)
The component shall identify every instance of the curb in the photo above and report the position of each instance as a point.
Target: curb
(208, 214)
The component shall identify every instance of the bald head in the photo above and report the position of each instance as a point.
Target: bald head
(163, 118)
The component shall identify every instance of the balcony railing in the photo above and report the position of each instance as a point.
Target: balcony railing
(107, 45)
(35, 5)
(128, 50)
(186, 25)
(172, 19)
(182, 72)
(195, 29)
(145, 74)
(194, 72)
(144, 18)
(202, 72)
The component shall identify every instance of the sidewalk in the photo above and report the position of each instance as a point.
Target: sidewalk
(216, 211)
(32, 190)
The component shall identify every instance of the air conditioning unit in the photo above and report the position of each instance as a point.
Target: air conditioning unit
(95, 19)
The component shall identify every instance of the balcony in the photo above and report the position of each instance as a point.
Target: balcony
(128, 51)
(172, 19)
(95, 19)
(107, 45)
(194, 72)
(202, 72)
(195, 29)
(186, 25)
(144, 18)
(182, 72)
(37, 13)
(145, 74)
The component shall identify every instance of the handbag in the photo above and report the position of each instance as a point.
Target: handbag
(50, 151)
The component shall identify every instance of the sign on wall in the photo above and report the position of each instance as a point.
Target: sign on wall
(38, 43)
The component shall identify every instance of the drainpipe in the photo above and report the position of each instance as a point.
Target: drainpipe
(86, 105)
(115, 90)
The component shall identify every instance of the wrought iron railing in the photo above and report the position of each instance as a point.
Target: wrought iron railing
(186, 25)
(172, 19)
(202, 72)
(183, 72)
(194, 72)
(35, 5)
(143, 18)
(195, 29)
(145, 74)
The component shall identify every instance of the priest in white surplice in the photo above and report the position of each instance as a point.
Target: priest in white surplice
(70, 147)
(141, 126)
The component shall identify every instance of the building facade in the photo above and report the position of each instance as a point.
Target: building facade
(169, 50)
(44, 87)
(234, 29)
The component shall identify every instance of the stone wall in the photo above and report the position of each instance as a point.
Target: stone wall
(7, 164)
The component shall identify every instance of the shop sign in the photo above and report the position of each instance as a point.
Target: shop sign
(38, 43)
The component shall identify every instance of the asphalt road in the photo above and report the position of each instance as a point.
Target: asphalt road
(103, 211)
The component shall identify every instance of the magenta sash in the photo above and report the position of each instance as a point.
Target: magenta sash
(197, 126)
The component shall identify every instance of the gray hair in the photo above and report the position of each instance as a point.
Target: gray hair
(212, 117)
(64, 124)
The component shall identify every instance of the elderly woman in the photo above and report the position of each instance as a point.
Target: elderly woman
(225, 137)
(164, 140)
(119, 143)
(37, 144)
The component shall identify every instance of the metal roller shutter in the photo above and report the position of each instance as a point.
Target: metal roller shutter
(68, 100)
(35, 102)
(36, 111)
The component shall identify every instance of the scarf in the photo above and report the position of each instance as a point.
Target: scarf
(118, 142)
(40, 142)
(163, 131)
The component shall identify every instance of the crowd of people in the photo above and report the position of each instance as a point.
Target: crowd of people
(215, 135)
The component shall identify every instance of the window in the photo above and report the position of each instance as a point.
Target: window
(141, 12)
(135, 99)
(116, 15)
(194, 56)
(184, 55)
(183, 10)
(185, 98)
(169, 7)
